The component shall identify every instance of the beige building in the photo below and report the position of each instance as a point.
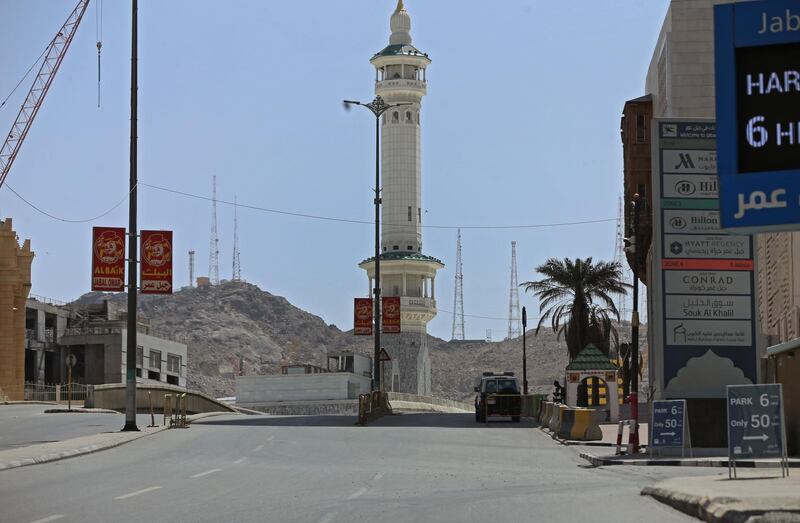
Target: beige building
(15, 283)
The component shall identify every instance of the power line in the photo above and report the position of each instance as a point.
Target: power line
(66, 220)
(367, 222)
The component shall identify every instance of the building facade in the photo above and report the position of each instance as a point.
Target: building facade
(15, 284)
(400, 77)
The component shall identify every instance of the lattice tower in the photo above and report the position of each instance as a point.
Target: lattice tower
(514, 318)
(458, 300)
(237, 267)
(213, 249)
(191, 268)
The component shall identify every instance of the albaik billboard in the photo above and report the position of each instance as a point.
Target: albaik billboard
(156, 262)
(362, 316)
(390, 320)
(108, 259)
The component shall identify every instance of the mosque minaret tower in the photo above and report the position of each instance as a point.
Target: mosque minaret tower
(400, 77)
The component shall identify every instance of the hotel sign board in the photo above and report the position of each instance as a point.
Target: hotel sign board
(757, 77)
(703, 288)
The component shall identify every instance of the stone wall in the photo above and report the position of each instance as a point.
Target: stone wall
(15, 284)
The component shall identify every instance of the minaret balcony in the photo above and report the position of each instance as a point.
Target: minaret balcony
(401, 84)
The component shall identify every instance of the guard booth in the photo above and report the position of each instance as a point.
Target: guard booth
(592, 382)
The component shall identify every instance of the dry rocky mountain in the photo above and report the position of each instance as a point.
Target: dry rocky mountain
(220, 324)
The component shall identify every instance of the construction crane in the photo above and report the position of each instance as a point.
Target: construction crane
(53, 56)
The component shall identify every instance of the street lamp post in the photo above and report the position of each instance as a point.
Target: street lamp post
(524, 355)
(634, 394)
(377, 107)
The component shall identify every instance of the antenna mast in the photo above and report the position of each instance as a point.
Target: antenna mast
(191, 268)
(237, 268)
(514, 320)
(458, 300)
(619, 255)
(213, 250)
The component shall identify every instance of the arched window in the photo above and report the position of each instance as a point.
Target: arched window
(408, 117)
(395, 117)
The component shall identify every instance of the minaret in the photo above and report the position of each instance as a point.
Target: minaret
(400, 78)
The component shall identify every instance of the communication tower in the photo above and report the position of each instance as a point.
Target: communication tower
(191, 268)
(514, 319)
(619, 257)
(458, 300)
(237, 268)
(213, 250)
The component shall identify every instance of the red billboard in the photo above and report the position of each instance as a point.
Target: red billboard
(108, 259)
(363, 317)
(391, 315)
(156, 262)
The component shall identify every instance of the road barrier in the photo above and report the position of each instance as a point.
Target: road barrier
(620, 432)
(555, 419)
(544, 419)
(567, 419)
(372, 406)
(176, 417)
(586, 426)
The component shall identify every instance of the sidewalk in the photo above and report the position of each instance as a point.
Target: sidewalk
(758, 496)
(644, 459)
(609, 431)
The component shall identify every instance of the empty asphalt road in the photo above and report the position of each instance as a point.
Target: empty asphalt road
(414, 467)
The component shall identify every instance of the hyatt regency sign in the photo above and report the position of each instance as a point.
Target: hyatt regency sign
(757, 62)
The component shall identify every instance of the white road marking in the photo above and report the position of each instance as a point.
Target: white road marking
(377, 476)
(206, 473)
(258, 448)
(49, 518)
(143, 491)
(239, 461)
(327, 518)
(358, 493)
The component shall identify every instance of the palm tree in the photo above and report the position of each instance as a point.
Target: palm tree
(576, 297)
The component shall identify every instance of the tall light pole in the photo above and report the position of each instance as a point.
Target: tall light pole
(377, 107)
(130, 373)
(524, 355)
(634, 394)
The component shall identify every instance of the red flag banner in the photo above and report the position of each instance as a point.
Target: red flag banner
(363, 317)
(108, 259)
(391, 315)
(156, 262)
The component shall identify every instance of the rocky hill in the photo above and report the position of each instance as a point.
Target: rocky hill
(221, 324)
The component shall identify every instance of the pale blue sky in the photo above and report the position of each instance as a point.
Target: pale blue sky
(520, 126)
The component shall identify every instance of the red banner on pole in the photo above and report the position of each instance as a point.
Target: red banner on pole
(108, 259)
(363, 317)
(156, 262)
(391, 315)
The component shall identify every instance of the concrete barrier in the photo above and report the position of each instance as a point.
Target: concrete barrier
(586, 426)
(112, 396)
(567, 415)
(555, 419)
(547, 414)
(531, 404)
(412, 402)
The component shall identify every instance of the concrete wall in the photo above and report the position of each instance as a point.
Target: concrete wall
(299, 387)
(112, 396)
(414, 402)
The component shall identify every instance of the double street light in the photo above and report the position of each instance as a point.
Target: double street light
(377, 107)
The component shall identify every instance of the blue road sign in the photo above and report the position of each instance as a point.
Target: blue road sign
(667, 425)
(755, 424)
(757, 67)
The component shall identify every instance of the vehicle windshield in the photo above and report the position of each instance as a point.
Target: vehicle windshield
(508, 386)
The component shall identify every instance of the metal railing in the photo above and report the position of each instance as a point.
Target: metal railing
(56, 392)
(39, 392)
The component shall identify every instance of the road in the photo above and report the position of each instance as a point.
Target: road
(323, 469)
(22, 425)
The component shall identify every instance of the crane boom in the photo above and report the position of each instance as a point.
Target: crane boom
(33, 102)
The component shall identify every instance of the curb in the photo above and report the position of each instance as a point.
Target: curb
(571, 442)
(25, 402)
(714, 510)
(80, 410)
(598, 461)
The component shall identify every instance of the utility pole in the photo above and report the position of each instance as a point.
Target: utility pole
(634, 396)
(524, 354)
(513, 297)
(133, 237)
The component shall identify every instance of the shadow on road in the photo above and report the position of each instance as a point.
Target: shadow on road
(439, 420)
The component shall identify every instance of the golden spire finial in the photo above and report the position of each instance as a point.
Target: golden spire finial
(399, 6)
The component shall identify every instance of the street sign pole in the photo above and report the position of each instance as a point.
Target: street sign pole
(524, 355)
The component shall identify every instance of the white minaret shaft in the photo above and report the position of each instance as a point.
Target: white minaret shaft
(400, 78)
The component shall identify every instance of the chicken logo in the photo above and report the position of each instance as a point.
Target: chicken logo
(157, 250)
(109, 247)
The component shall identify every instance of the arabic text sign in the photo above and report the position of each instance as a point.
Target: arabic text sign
(108, 259)
(709, 333)
(692, 306)
(707, 246)
(755, 424)
(667, 423)
(690, 161)
(362, 323)
(156, 262)
(707, 282)
(390, 320)
(757, 78)
(679, 221)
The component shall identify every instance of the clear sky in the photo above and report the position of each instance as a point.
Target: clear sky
(520, 126)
